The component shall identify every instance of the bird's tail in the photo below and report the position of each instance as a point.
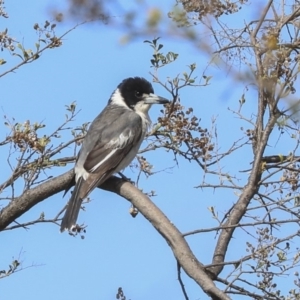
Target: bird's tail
(72, 211)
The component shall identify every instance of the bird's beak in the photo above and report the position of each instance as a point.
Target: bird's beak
(154, 99)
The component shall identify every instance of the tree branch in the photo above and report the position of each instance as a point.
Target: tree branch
(20, 205)
(262, 18)
(150, 211)
(240, 207)
(34, 56)
(169, 232)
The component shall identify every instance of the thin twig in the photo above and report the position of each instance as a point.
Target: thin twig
(33, 56)
(181, 282)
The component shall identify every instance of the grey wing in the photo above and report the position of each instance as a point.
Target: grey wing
(110, 148)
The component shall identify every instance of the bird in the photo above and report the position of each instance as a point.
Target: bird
(112, 141)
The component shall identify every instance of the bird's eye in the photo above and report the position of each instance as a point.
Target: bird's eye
(138, 94)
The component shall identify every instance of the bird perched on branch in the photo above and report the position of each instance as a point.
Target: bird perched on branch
(112, 140)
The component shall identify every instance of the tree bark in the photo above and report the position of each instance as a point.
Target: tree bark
(147, 208)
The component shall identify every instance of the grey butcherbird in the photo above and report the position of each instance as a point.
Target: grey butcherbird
(112, 140)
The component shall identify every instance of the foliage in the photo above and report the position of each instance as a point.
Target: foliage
(15, 266)
(267, 50)
(263, 54)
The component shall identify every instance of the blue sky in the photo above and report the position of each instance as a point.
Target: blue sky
(117, 250)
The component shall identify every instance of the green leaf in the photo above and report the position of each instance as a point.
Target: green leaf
(20, 47)
(192, 67)
(207, 78)
(47, 23)
(26, 55)
(16, 54)
(175, 82)
(16, 263)
(242, 100)
(155, 41)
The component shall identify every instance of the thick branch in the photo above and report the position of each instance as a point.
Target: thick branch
(153, 214)
(240, 207)
(30, 198)
(262, 18)
(170, 233)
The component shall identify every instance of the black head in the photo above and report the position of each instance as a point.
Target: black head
(136, 93)
(134, 89)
